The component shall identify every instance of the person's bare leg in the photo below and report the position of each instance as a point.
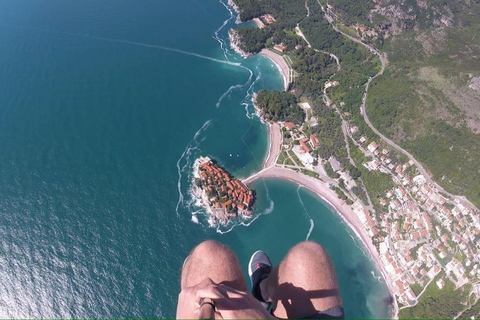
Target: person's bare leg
(213, 260)
(303, 284)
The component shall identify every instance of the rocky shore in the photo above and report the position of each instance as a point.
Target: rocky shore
(235, 41)
(236, 9)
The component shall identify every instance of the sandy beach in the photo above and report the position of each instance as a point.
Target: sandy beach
(275, 138)
(274, 145)
(282, 66)
(259, 23)
(322, 190)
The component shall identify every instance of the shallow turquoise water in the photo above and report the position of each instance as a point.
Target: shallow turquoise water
(100, 119)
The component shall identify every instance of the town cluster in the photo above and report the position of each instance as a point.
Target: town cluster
(422, 235)
(223, 196)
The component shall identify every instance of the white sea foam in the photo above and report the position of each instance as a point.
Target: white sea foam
(226, 93)
(187, 162)
(312, 225)
(307, 215)
(216, 36)
(356, 243)
(148, 45)
(247, 221)
(195, 219)
(232, 88)
(379, 278)
(247, 101)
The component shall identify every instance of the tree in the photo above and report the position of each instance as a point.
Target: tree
(279, 106)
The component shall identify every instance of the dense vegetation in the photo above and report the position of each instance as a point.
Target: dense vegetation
(313, 69)
(451, 152)
(288, 11)
(415, 112)
(358, 64)
(328, 132)
(352, 12)
(279, 106)
(473, 311)
(438, 304)
(252, 39)
(376, 184)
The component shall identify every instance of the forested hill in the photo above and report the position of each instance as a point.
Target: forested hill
(394, 16)
(426, 101)
(287, 11)
(428, 98)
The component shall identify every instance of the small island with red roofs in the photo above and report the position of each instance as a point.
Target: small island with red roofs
(223, 196)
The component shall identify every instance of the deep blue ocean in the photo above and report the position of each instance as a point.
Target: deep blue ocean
(104, 106)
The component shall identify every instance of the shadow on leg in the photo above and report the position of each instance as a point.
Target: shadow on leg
(213, 260)
(304, 283)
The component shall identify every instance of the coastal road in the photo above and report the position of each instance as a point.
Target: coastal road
(363, 111)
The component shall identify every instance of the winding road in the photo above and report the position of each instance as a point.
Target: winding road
(363, 111)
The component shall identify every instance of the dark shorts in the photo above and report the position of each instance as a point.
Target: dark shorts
(332, 313)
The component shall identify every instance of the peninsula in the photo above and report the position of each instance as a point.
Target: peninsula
(223, 196)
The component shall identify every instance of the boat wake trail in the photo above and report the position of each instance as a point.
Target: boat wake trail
(185, 163)
(154, 46)
(307, 215)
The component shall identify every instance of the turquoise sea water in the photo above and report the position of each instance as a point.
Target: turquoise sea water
(105, 105)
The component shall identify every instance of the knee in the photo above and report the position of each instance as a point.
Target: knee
(307, 250)
(210, 248)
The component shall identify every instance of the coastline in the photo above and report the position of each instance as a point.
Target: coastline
(232, 4)
(274, 145)
(275, 137)
(235, 44)
(322, 190)
(281, 65)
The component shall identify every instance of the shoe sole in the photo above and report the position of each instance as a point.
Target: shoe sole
(250, 272)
